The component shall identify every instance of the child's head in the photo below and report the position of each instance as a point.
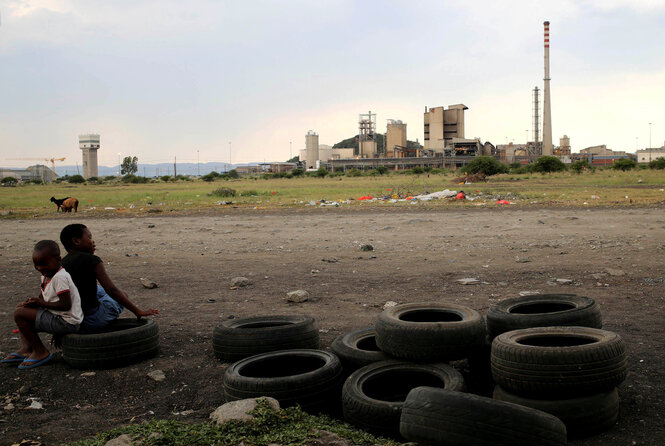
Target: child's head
(77, 237)
(46, 257)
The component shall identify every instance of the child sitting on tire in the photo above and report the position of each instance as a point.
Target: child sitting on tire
(57, 310)
(103, 303)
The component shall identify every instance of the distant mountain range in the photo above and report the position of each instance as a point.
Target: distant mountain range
(155, 170)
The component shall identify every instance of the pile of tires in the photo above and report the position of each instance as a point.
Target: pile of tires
(406, 349)
(569, 372)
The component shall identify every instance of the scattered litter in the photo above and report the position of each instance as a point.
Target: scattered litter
(564, 281)
(366, 197)
(109, 208)
(435, 195)
(502, 202)
(389, 304)
(333, 203)
(84, 374)
(529, 293)
(595, 197)
(468, 281)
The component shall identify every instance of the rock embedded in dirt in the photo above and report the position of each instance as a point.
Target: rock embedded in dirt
(389, 304)
(297, 296)
(157, 375)
(149, 284)
(123, 440)
(615, 272)
(239, 410)
(240, 282)
(468, 281)
(367, 248)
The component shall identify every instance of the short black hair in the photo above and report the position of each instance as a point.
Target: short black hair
(69, 232)
(49, 246)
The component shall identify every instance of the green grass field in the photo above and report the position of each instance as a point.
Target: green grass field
(642, 187)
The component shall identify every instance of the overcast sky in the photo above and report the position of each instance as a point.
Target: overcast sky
(165, 78)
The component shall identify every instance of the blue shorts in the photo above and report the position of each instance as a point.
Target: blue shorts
(107, 311)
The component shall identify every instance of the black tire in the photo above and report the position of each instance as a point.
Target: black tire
(373, 396)
(429, 332)
(122, 342)
(445, 418)
(310, 378)
(563, 362)
(235, 339)
(582, 416)
(357, 349)
(545, 310)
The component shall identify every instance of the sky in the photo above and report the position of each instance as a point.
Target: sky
(228, 80)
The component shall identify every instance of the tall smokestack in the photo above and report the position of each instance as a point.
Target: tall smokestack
(547, 108)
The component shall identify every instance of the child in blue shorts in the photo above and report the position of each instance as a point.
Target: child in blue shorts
(57, 310)
(101, 303)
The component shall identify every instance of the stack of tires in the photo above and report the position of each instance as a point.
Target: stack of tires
(407, 348)
(279, 357)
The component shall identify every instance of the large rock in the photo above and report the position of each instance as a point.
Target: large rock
(240, 282)
(297, 296)
(123, 440)
(239, 410)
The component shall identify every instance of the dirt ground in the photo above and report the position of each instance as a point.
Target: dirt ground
(613, 256)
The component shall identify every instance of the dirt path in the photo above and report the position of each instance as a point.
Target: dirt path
(417, 256)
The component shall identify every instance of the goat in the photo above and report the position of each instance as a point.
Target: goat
(69, 204)
(58, 202)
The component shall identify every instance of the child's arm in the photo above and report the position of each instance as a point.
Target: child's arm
(63, 303)
(117, 294)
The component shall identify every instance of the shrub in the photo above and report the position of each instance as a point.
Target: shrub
(76, 179)
(321, 172)
(165, 178)
(548, 164)
(515, 165)
(212, 176)
(224, 192)
(297, 172)
(624, 164)
(109, 178)
(8, 181)
(485, 164)
(182, 178)
(35, 181)
(658, 163)
(354, 173)
(382, 170)
(339, 173)
(417, 170)
(131, 178)
(94, 180)
(580, 165)
(233, 174)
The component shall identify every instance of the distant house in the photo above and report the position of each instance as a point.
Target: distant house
(36, 172)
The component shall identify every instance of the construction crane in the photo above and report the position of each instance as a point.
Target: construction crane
(52, 160)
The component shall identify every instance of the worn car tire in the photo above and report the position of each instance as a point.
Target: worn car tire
(122, 342)
(357, 349)
(310, 378)
(442, 417)
(564, 362)
(429, 331)
(235, 339)
(373, 396)
(583, 416)
(544, 310)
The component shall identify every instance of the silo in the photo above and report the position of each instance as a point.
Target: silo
(395, 136)
(311, 149)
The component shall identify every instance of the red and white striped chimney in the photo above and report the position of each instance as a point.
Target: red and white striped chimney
(548, 149)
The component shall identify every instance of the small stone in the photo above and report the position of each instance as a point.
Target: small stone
(157, 375)
(123, 440)
(88, 374)
(239, 410)
(297, 296)
(389, 304)
(185, 413)
(615, 272)
(36, 405)
(149, 284)
(367, 248)
(240, 282)
(151, 226)
(9, 406)
(522, 260)
(502, 284)
(315, 271)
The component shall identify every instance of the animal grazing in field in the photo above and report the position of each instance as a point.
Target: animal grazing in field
(66, 204)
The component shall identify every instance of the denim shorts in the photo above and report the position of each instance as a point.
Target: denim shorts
(53, 323)
(107, 311)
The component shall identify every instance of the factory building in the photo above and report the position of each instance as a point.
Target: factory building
(395, 137)
(311, 150)
(89, 144)
(36, 172)
(441, 126)
(648, 155)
